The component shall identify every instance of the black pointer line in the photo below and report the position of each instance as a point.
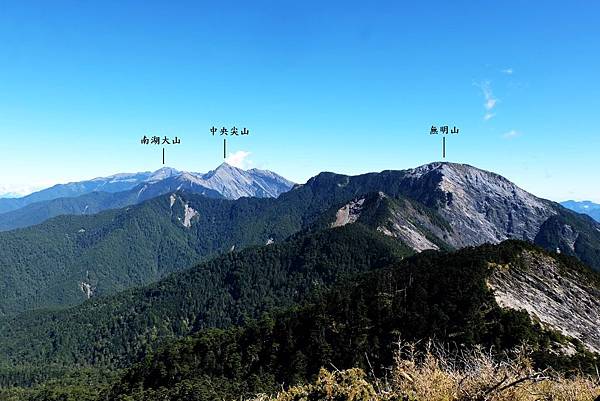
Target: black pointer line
(224, 148)
(163, 155)
(444, 148)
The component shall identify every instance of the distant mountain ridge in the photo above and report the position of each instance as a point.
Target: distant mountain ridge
(127, 189)
(113, 183)
(124, 181)
(586, 207)
(235, 183)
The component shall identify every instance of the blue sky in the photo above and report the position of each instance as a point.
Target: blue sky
(345, 86)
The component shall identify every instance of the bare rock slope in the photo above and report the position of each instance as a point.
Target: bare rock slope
(559, 298)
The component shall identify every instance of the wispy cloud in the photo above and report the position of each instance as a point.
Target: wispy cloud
(490, 100)
(238, 159)
(511, 134)
(507, 71)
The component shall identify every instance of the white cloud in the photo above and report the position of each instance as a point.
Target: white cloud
(507, 71)
(511, 134)
(490, 100)
(238, 159)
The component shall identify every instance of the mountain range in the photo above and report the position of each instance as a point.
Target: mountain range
(117, 191)
(230, 283)
(115, 183)
(439, 206)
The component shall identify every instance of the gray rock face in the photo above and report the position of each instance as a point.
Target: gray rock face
(349, 213)
(235, 183)
(485, 207)
(409, 230)
(465, 206)
(398, 218)
(482, 207)
(558, 298)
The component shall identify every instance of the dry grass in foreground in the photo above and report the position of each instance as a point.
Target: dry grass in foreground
(438, 375)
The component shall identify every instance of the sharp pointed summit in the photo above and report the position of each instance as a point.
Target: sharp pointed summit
(234, 182)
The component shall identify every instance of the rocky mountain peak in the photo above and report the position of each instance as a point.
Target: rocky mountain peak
(484, 206)
(457, 172)
(224, 169)
(232, 182)
(475, 206)
(163, 173)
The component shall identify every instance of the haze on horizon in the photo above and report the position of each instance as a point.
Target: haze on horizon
(344, 87)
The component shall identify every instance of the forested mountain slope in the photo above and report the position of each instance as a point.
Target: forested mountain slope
(114, 331)
(70, 258)
(473, 296)
(439, 295)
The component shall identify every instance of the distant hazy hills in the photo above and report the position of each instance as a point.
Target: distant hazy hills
(585, 207)
(436, 206)
(114, 183)
(89, 197)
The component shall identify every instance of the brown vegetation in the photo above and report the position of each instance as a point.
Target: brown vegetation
(437, 374)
